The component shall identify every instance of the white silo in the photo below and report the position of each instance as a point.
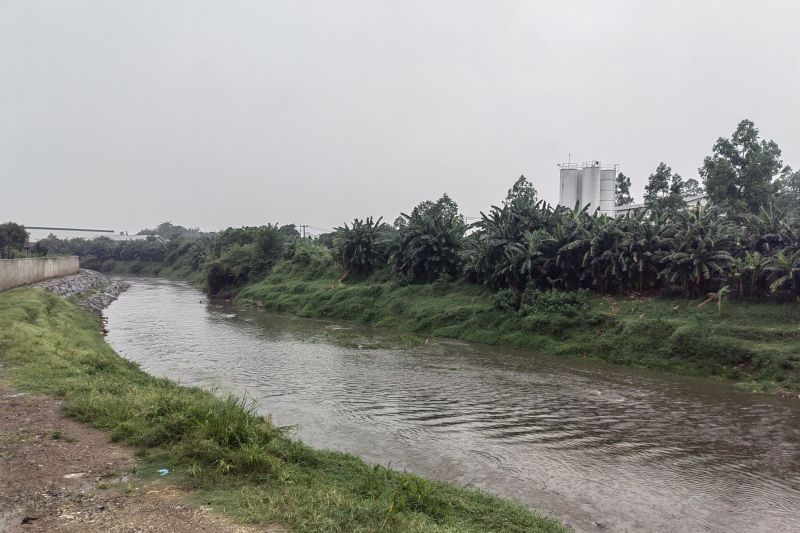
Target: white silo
(570, 186)
(590, 185)
(608, 182)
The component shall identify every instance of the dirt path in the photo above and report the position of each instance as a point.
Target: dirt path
(59, 475)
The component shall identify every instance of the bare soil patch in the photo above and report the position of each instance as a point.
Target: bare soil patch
(57, 474)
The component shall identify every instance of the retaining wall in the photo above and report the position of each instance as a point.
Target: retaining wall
(16, 272)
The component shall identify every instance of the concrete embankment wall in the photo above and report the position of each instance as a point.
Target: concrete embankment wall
(16, 272)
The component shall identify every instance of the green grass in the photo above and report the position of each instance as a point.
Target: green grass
(238, 461)
(756, 343)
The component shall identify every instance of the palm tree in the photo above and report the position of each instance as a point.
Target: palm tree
(769, 229)
(428, 245)
(718, 296)
(360, 247)
(783, 269)
(698, 251)
(642, 247)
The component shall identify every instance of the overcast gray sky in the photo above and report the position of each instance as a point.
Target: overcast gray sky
(124, 114)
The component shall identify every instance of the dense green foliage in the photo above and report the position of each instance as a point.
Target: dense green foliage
(664, 190)
(12, 239)
(308, 259)
(95, 252)
(691, 251)
(787, 187)
(739, 174)
(361, 247)
(429, 241)
(239, 255)
(240, 461)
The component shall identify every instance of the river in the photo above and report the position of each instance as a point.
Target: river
(601, 447)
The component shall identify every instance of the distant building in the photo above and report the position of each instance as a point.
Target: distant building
(126, 237)
(37, 233)
(588, 183)
(691, 201)
(594, 184)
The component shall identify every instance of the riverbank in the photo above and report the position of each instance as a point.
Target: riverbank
(236, 461)
(757, 344)
(89, 290)
(48, 481)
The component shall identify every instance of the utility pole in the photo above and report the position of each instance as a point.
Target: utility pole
(304, 226)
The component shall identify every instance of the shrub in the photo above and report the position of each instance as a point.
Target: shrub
(238, 264)
(570, 304)
(309, 258)
(505, 299)
(693, 342)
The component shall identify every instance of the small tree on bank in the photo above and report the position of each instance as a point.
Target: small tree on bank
(13, 237)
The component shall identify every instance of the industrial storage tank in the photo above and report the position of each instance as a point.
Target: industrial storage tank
(590, 185)
(608, 183)
(570, 191)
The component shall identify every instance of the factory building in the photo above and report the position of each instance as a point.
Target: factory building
(588, 183)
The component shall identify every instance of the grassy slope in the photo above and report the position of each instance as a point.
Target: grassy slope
(758, 343)
(240, 461)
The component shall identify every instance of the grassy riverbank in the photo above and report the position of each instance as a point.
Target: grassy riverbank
(756, 343)
(238, 461)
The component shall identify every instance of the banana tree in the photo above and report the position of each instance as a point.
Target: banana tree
(783, 270)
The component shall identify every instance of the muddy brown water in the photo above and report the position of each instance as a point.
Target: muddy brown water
(601, 447)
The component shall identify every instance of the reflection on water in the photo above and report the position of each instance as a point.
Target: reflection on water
(601, 447)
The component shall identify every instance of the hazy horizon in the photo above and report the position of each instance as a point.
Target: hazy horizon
(124, 115)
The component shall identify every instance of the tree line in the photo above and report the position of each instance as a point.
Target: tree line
(746, 240)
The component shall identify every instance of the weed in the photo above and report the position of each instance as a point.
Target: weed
(58, 435)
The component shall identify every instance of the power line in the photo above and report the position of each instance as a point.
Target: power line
(72, 229)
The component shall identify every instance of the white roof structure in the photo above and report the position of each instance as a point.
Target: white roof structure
(122, 238)
(691, 201)
(37, 233)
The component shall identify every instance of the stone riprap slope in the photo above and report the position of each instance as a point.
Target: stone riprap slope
(96, 291)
